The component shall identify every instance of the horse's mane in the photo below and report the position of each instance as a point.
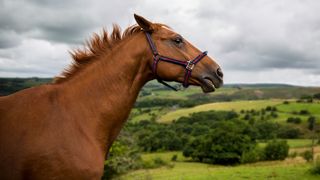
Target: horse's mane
(97, 45)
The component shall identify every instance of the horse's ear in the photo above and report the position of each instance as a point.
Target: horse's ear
(143, 23)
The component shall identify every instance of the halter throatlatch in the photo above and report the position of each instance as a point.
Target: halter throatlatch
(188, 65)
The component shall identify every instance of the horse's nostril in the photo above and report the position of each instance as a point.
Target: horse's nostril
(219, 73)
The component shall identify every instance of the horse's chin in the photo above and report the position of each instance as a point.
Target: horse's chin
(207, 85)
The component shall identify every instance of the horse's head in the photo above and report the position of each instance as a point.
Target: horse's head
(182, 61)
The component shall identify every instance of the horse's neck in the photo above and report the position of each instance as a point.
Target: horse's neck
(106, 90)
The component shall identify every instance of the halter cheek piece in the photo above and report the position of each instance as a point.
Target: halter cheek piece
(188, 65)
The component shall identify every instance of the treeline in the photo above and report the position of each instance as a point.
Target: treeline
(215, 137)
(11, 85)
(152, 136)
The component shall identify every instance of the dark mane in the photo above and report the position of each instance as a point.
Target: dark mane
(97, 45)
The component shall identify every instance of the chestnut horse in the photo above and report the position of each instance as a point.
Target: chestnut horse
(64, 130)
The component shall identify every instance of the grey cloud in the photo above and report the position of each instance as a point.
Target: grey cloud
(246, 37)
(265, 34)
(8, 39)
(60, 21)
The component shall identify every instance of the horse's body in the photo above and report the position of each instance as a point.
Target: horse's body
(64, 130)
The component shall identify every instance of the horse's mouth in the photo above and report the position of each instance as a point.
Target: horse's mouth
(207, 85)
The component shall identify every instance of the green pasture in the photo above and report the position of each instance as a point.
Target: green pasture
(199, 171)
(137, 115)
(293, 143)
(283, 110)
(166, 156)
(226, 106)
(313, 108)
(293, 169)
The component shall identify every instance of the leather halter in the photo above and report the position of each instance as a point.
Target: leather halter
(188, 65)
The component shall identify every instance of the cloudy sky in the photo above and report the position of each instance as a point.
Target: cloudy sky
(255, 41)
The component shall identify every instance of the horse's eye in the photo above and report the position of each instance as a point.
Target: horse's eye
(178, 40)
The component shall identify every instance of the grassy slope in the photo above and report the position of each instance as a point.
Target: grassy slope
(236, 106)
(284, 110)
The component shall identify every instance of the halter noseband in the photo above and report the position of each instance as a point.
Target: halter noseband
(188, 65)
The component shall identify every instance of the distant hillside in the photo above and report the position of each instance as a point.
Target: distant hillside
(260, 85)
(154, 90)
(11, 85)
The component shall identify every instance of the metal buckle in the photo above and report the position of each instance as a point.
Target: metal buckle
(189, 66)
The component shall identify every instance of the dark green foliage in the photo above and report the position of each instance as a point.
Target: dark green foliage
(266, 129)
(316, 96)
(161, 138)
(247, 117)
(268, 108)
(304, 112)
(306, 98)
(224, 144)
(288, 132)
(311, 122)
(123, 156)
(276, 150)
(307, 155)
(274, 114)
(295, 120)
(254, 155)
(152, 136)
(174, 157)
(11, 85)
(285, 102)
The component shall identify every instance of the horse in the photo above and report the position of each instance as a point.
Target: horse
(64, 129)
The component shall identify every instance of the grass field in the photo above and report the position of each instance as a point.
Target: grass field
(289, 169)
(197, 171)
(313, 108)
(227, 106)
(284, 110)
(293, 143)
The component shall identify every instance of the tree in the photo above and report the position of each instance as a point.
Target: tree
(225, 144)
(123, 156)
(311, 122)
(276, 150)
(266, 129)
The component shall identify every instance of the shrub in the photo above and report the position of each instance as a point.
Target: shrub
(267, 130)
(276, 150)
(285, 102)
(268, 108)
(311, 122)
(293, 154)
(304, 112)
(174, 158)
(225, 144)
(287, 132)
(307, 155)
(122, 158)
(254, 155)
(295, 120)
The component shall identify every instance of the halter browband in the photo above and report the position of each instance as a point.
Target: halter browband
(188, 65)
